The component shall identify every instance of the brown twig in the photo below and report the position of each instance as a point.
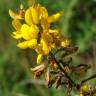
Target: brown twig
(60, 67)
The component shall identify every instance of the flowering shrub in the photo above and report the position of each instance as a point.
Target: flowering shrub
(33, 30)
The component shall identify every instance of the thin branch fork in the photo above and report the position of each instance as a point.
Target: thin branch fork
(60, 67)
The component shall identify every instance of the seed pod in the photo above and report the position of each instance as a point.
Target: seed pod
(38, 70)
(80, 68)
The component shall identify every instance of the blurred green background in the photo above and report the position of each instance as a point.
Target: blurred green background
(78, 23)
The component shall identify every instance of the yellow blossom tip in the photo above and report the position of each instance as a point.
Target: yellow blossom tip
(32, 43)
(45, 47)
(23, 45)
(21, 6)
(29, 32)
(84, 88)
(16, 36)
(39, 58)
(54, 17)
(14, 15)
(81, 94)
(16, 24)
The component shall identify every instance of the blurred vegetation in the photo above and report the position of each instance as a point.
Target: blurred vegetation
(78, 23)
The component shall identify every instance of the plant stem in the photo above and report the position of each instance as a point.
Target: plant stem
(60, 67)
(92, 77)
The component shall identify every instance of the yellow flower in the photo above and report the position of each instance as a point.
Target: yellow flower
(36, 32)
(17, 25)
(18, 15)
(23, 45)
(14, 15)
(26, 32)
(29, 32)
(54, 17)
(32, 43)
(42, 48)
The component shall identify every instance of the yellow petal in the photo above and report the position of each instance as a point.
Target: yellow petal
(31, 16)
(23, 45)
(45, 47)
(43, 16)
(14, 15)
(32, 43)
(16, 24)
(28, 16)
(16, 35)
(38, 8)
(29, 33)
(39, 58)
(47, 37)
(35, 15)
(54, 17)
(38, 49)
(54, 32)
(43, 12)
(81, 94)
(44, 23)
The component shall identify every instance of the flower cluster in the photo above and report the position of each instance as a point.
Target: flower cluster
(36, 31)
(33, 30)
